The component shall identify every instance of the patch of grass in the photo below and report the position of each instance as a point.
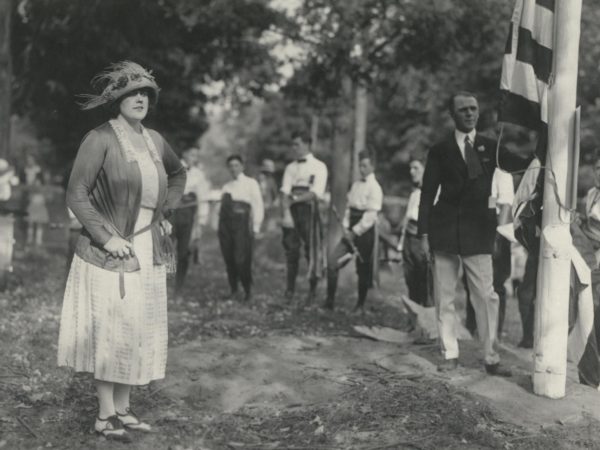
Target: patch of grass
(379, 409)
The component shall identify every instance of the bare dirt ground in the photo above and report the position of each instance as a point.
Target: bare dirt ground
(272, 375)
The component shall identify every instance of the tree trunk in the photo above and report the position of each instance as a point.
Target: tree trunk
(314, 130)
(552, 302)
(339, 176)
(360, 126)
(5, 76)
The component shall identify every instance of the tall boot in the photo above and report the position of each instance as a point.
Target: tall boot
(332, 279)
(181, 271)
(247, 284)
(292, 273)
(363, 289)
(501, 310)
(312, 292)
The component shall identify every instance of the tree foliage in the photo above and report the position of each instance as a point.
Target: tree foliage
(412, 55)
(60, 44)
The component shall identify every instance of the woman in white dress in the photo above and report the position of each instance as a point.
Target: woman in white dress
(124, 182)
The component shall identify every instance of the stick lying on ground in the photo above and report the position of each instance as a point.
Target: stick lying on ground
(27, 427)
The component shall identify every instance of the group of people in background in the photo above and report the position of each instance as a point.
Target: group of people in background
(32, 181)
(37, 212)
(246, 203)
(460, 196)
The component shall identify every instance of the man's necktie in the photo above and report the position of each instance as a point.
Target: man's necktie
(301, 160)
(474, 168)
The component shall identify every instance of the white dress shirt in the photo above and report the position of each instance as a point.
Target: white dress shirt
(367, 196)
(412, 213)
(412, 208)
(460, 140)
(503, 189)
(246, 189)
(300, 174)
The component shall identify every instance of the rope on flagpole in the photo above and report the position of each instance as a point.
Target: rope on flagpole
(548, 167)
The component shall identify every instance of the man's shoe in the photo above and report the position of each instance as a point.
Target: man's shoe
(423, 340)
(248, 297)
(328, 305)
(497, 370)
(358, 309)
(448, 365)
(232, 296)
(525, 343)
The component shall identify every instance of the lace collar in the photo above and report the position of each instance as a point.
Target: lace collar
(127, 148)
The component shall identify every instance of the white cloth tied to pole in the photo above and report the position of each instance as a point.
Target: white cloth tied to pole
(560, 245)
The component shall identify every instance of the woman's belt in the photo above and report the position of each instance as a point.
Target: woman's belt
(130, 239)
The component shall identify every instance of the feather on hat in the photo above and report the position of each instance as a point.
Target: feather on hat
(118, 79)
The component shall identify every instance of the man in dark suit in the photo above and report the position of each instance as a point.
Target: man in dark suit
(457, 224)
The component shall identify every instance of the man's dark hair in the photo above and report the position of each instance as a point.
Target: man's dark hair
(459, 94)
(235, 158)
(365, 154)
(417, 157)
(304, 135)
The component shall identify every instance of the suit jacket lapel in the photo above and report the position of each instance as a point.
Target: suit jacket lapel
(479, 142)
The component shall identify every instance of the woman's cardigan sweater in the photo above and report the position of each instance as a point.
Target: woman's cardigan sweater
(105, 191)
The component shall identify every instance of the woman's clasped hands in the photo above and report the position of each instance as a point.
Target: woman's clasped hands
(119, 247)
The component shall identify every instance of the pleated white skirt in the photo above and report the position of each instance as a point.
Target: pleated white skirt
(121, 340)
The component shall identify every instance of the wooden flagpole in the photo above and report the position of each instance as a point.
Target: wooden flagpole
(552, 300)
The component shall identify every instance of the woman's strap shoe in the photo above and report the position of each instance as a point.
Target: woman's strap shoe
(131, 421)
(112, 428)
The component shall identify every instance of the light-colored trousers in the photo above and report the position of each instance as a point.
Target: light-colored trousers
(479, 272)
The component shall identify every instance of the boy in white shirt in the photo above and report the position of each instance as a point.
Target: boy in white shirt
(304, 183)
(240, 218)
(365, 200)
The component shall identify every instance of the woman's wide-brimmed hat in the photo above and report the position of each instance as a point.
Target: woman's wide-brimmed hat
(119, 79)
